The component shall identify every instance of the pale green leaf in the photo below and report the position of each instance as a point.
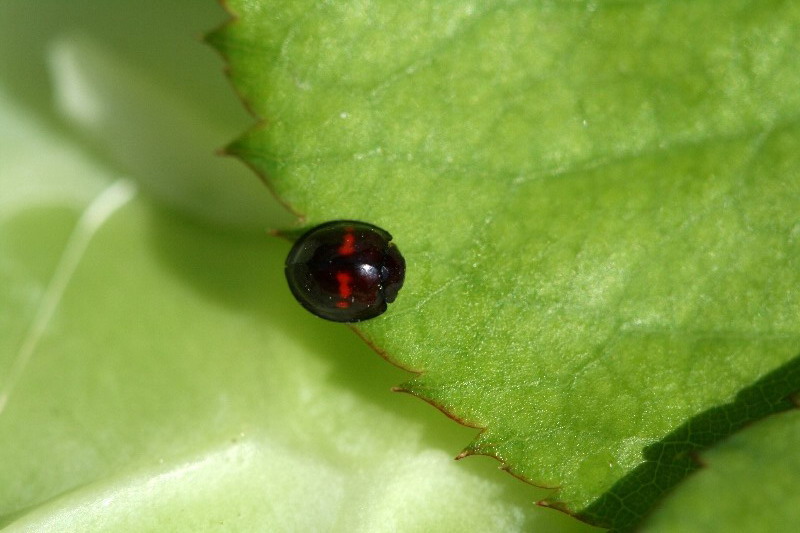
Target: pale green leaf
(136, 85)
(748, 483)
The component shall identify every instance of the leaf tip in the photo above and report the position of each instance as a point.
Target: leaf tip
(556, 505)
(466, 452)
(232, 149)
(216, 38)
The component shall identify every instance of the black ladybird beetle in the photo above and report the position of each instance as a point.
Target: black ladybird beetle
(345, 271)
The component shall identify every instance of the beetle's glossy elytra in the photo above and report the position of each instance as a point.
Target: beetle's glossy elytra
(345, 271)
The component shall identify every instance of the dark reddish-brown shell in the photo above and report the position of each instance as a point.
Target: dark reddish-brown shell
(345, 270)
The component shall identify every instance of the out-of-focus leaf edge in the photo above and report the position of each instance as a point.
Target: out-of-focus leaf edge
(666, 462)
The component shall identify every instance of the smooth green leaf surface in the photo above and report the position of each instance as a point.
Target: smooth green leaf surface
(28, 181)
(597, 202)
(753, 480)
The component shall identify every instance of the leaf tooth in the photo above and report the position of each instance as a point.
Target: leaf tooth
(466, 452)
(217, 37)
(552, 503)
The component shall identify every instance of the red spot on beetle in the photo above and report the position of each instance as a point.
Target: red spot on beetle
(345, 285)
(348, 246)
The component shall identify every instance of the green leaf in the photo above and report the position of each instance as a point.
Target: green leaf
(155, 374)
(597, 202)
(753, 477)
